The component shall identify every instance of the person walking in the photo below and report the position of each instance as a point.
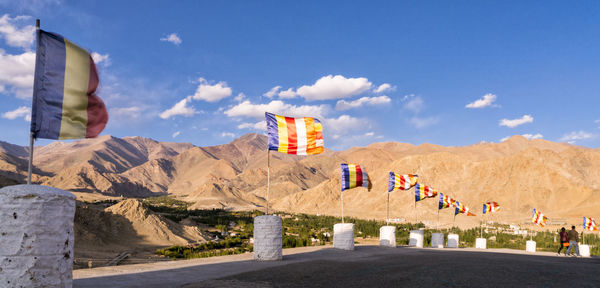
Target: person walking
(573, 239)
(564, 240)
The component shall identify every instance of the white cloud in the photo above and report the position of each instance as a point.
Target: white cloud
(176, 134)
(287, 94)
(240, 97)
(15, 36)
(334, 87)
(486, 101)
(419, 122)
(211, 93)
(22, 111)
(173, 38)
(180, 108)
(370, 134)
(132, 112)
(345, 105)
(257, 111)
(512, 123)
(577, 135)
(384, 87)
(528, 136)
(413, 103)
(99, 58)
(17, 72)
(271, 93)
(343, 124)
(262, 125)
(227, 134)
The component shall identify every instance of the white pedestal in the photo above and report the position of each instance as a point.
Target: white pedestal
(387, 236)
(267, 238)
(417, 238)
(584, 250)
(343, 236)
(530, 246)
(481, 243)
(437, 240)
(36, 242)
(452, 241)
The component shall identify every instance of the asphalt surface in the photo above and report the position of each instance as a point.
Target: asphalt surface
(366, 266)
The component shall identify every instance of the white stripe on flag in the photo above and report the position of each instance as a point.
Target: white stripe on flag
(301, 134)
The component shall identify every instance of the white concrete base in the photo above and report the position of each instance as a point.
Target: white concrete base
(437, 240)
(417, 238)
(36, 242)
(343, 236)
(267, 238)
(481, 243)
(584, 250)
(530, 246)
(387, 236)
(452, 241)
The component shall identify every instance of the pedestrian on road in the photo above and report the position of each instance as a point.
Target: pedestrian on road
(564, 240)
(573, 239)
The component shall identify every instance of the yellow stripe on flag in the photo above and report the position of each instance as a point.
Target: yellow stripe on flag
(75, 100)
(352, 170)
(283, 134)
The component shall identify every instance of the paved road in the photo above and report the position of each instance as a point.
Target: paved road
(367, 266)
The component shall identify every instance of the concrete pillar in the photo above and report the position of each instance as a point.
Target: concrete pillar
(417, 238)
(530, 246)
(584, 250)
(437, 240)
(36, 236)
(387, 236)
(452, 241)
(343, 236)
(267, 238)
(481, 243)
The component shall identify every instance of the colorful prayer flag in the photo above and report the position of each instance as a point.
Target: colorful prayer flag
(460, 208)
(424, 191)
(401, 182)
(539, 218)
(444, 201)
(300, 136)
(589, 224)
(354, 176)
(490, 207)
(64, 104)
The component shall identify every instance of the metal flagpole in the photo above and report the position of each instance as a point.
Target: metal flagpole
(437, 226)
(342, 199)
(387, 220)
(268, 177)
(31, 136)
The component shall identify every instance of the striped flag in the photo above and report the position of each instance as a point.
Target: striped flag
(538, 218)
(589, 224)
(490, 207)
(354, 176)
(444, 201)
(424, 191)
(460, 208)
(65, 104)
(401, 182)
(300, 136)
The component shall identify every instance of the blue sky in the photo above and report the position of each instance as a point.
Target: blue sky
(201, 71)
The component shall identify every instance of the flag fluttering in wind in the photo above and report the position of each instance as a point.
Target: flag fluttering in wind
(300, 136)
(401, 182)
(424, 191)
(460, 208)
(538, 218)
(589, 224)
(444, 201)
(65, 105)
(490, 207)
(354, 176)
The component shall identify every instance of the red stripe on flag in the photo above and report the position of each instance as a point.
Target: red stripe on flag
(359, 179)
(97, 117)
(292, 135)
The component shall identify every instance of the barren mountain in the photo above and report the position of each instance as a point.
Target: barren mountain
(560, 179)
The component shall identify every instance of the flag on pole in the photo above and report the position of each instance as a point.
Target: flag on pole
(490, 207)
(401, 182)
(65, 105)
(354, 176)
(424, 191)
(460, 208)
(538, 218)
(589, 224)
(300, 136)
(444, 201)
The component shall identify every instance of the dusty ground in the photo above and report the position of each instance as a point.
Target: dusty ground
(367, 266)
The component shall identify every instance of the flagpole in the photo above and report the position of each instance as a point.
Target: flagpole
(437, 226)
(387, 219)
(31, 136)
(268, 177)
(342, 199)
